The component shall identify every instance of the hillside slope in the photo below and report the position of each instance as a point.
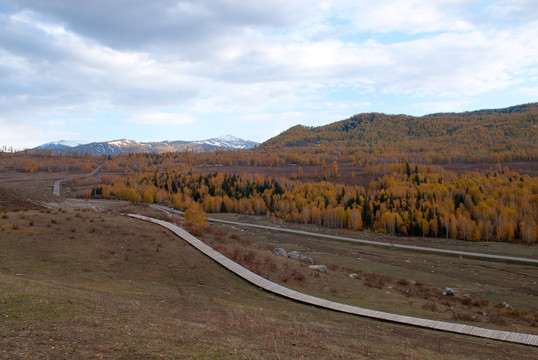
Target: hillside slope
(511, 129)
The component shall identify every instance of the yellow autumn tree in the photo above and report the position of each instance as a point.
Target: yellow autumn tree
(335, 169)
(195, 215)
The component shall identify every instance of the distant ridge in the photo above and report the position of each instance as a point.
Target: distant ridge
(509, 128)
(121, 146)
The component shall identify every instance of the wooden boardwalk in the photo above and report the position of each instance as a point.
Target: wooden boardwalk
(263, 283)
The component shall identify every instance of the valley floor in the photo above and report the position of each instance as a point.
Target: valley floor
(81, 281)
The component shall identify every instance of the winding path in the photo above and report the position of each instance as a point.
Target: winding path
(270, 286)
(57, 184)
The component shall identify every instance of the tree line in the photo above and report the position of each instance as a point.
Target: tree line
(416, 199)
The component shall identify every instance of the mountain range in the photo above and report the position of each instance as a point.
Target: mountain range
(512, 130)
(115, 147)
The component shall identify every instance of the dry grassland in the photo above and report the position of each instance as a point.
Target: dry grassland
(84, 284)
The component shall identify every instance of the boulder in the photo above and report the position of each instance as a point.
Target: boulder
(280, 252)
(353, 275)
(507, 306)
(320, 268)
(296, 256)
(448, 291)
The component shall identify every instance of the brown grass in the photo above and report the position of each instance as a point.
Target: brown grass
(408, 297)
(176, 304)
(465, 316)
(374, 280)
(115, 297)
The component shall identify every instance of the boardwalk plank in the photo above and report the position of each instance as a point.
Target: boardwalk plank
(270, 286)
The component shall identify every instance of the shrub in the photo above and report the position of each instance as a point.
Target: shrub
(334, 267)
(374, 280)
(496, 318)
(431, 306)
(516, 314)
(249, 257)
(197, 229)
(270, 263)
(464, 316)
(298, 275)
(235, 254)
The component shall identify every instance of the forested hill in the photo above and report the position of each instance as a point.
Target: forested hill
(513, 129)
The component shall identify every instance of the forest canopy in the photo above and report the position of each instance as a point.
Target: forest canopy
(486, 135)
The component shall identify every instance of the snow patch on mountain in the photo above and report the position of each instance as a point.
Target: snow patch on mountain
(120, 146)
(68, 143)
(228, 142)
(122, 142)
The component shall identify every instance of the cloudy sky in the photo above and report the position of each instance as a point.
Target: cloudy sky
(186, 70)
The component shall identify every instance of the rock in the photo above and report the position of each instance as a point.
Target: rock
(296, 256)
(507, 306)
(280, 252)
(411, 282)
(320, 268)
(353, 275)
(448, 291)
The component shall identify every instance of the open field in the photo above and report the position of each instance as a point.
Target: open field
(385, 276)
(69, 289)
(89, 283)
(355, 175)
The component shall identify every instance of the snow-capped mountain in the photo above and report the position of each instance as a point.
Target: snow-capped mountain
(120, 146)
(62, 144)
(228, 142)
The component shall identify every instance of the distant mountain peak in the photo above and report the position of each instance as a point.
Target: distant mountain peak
(115, 147)
(228, 142)
(122, 142)
(228, 137)
(68, 143)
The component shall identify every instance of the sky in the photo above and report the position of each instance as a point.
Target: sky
(191, 70)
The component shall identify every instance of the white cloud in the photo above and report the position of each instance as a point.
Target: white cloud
(408, 16)
(251, 61)
(161, 118)
(33, 135)
(516, 12)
